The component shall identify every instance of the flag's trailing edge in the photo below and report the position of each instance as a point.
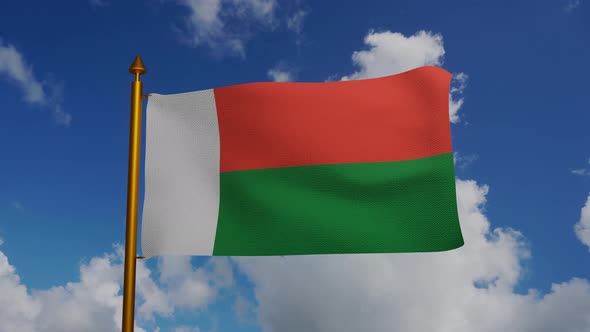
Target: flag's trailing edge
(360, 166)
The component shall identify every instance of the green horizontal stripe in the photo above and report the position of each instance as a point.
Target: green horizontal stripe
(403, 206)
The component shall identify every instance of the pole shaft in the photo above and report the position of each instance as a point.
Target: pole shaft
(132, 206)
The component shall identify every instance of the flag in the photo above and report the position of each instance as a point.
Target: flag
(362, 166)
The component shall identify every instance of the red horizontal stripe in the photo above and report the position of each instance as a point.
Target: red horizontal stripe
(399, 117)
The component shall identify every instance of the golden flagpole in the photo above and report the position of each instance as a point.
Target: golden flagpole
(137, 68)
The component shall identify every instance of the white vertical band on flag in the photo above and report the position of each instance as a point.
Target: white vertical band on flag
(181, 201)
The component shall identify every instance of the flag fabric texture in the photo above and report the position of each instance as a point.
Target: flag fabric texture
(362, 166)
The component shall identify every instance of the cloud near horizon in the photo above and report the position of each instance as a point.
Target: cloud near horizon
(94, 303)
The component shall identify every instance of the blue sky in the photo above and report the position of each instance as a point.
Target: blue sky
(520, 119)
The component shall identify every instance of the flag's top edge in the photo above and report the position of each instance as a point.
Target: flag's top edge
(408, 72)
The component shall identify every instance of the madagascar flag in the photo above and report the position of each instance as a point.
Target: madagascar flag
(360, 166)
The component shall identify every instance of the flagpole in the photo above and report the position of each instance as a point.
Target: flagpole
(137, 68)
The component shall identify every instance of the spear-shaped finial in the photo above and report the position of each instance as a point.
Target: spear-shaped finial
(137, 66)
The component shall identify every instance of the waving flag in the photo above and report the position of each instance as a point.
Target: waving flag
(360, 166)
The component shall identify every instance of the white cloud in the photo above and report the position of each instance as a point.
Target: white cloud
(189, 288)
(45, 94)
(244, 310)
(278, 75)
(154, 299)
(13, 65)
(461, 79)
(582, 171)
(455, 101)
(572, 5)
(582, 228)
(463, 161)
(467, 289)
(282, 72)
(261, 9)
(295, 22)
(222, 25)
(94, 303)
(391, 53)
(17, 308)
